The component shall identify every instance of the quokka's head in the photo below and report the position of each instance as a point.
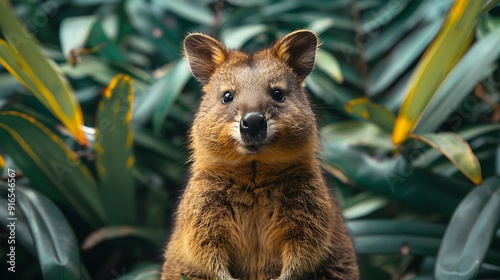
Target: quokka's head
(254, 106)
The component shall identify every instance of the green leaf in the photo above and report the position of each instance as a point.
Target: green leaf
(461, 80)
(357, 149)
(395, 227)
(195, 13)
(43, 230)
(488, 5)
(329, 64)
(106, 47)
(176, 81)
(144, 139)
(363, 204)
(356, 133)
(115, 157)
(235, 38)
(469, 233)
(146, 106)
(143, 271)
(39, 75)
(154, 237)
(457, 151)
(74, 32)
(380, 42)
(50, 165)
(184, 277)
(401, 57)
(376, 113)
(446, 49)
(467, 134)
(376, 18)
(397, 244)
(325, 89)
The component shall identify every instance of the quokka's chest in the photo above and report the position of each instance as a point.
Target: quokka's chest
(255, 238)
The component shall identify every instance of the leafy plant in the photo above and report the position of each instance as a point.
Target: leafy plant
(96, 102)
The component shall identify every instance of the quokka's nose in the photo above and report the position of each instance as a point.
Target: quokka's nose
(253, 124)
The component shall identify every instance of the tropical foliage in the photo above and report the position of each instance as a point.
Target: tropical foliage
(96, 100)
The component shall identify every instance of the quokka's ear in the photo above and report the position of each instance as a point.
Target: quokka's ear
(298, 51)
(204, 55)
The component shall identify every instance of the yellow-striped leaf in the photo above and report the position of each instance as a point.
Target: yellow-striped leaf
(457, 151)
(2, 164)
(38, 74)
(439, 58)
(52, 168)
(115, 156)
(376, 113)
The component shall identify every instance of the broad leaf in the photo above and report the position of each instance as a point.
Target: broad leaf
(357, 150)
(446, 49)
(466, 134)
(363, 204)
(176, 80)
(154, 237)
(46, 82)
(43, 230)
(469, 233)
(376, 113)
(235, 38)
(99, 40)
(143, 271)
(457, 151)
(401, 58)
(115, 157)
(50, 165)
(397, 244)
(329, 64)
(73, 33)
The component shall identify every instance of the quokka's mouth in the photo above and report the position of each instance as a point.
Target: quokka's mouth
(253, 149)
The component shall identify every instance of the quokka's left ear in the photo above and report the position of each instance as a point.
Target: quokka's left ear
(298, 51)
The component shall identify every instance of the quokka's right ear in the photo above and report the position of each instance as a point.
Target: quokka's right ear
(204, 55)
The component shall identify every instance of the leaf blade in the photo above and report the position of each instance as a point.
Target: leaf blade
(115, 157)
(49, 164)
(45, 74)
(47, 234)
(445, 50)
(457, 151)
(469, 233)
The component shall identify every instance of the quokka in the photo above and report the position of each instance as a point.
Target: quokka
(256, 205)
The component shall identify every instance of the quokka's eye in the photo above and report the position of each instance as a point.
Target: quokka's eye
(227, 97)
(277, 95)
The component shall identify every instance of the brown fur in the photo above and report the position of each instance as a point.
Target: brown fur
(265, 215)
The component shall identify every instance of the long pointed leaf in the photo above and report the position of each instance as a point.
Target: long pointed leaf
(461, 80)
(469, 233)
(55, 91)
(114, 151)
(446, 49)
(50, 165)
(177, 79)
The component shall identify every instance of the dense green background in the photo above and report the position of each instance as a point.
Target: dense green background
(88, 214)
